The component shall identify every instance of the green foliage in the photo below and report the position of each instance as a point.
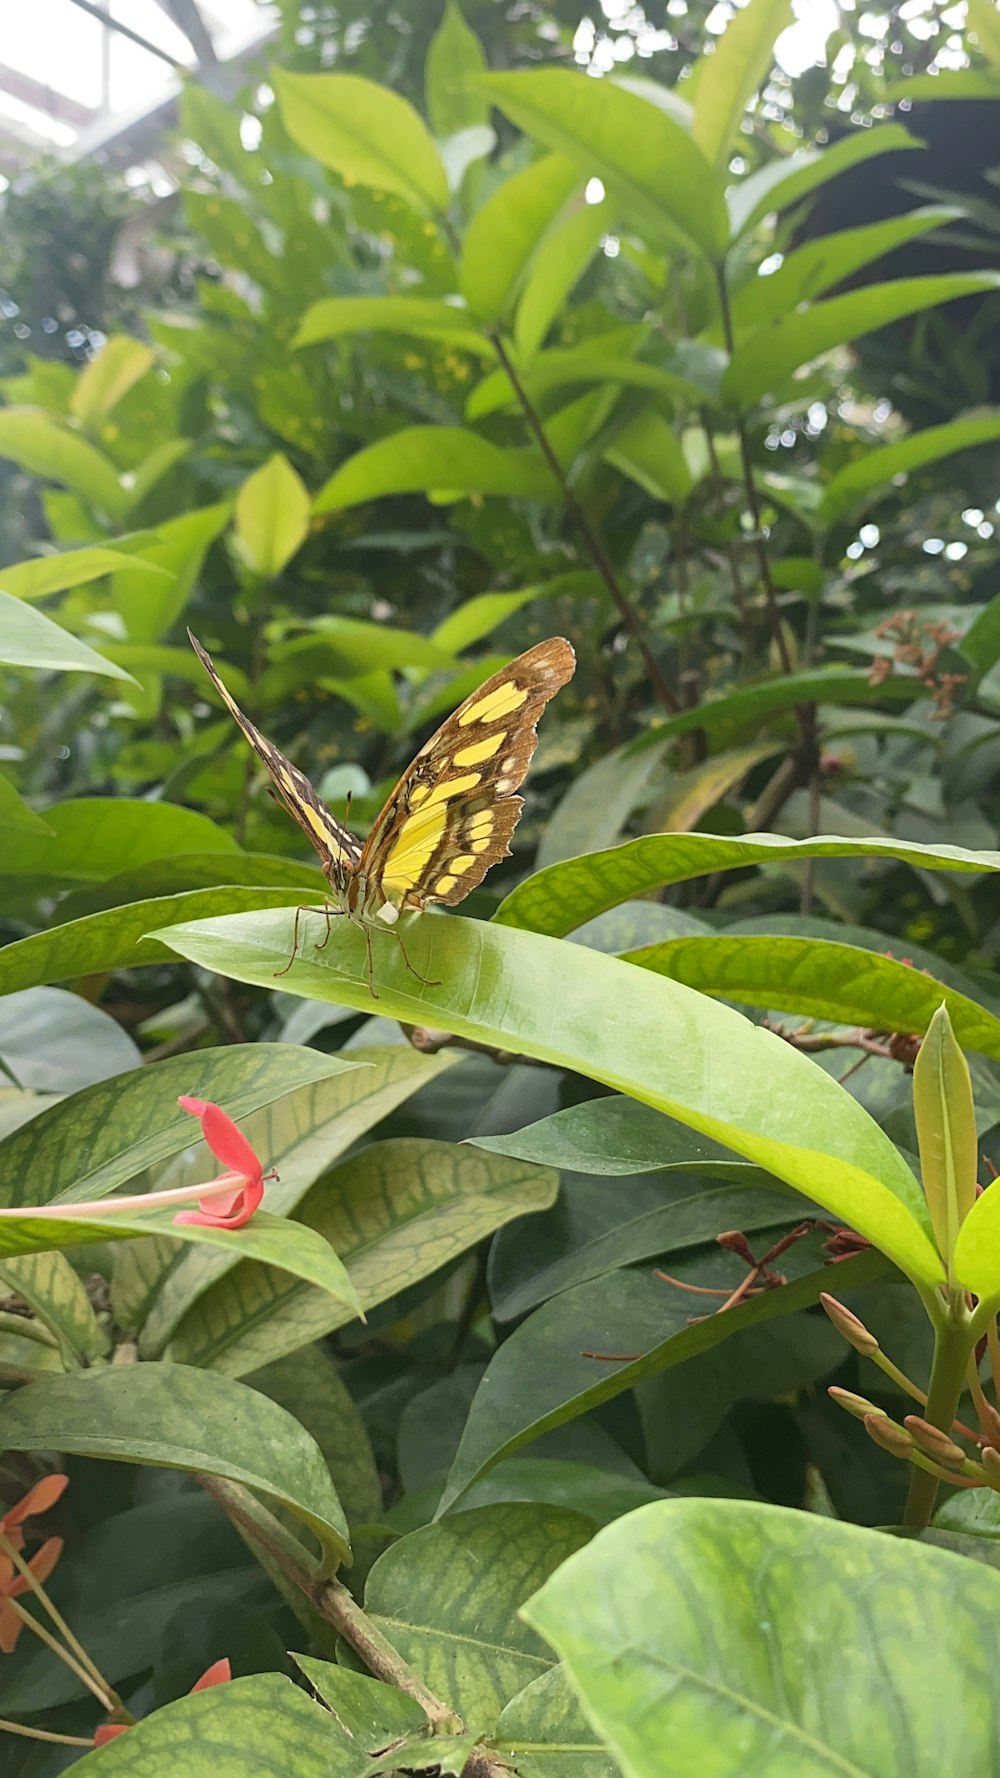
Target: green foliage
(465, 346)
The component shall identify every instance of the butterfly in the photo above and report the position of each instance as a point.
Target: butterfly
(450, 817)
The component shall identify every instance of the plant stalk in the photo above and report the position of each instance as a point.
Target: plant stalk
(952, 1344)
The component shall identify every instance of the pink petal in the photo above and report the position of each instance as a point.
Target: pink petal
(227, 1143)
(240, 1209)
(38, 1499)
(217, 1674)
(108, 1731)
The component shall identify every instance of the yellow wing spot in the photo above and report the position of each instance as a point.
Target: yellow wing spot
(480, 845)
(450, 787)
(445, 885)
(480, 750)
(503, 702)
(315, 820)
(462, 863)
(418, 795)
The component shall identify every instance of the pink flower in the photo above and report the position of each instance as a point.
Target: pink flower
(245, 1175)
(38, 1499)
(217, 1674)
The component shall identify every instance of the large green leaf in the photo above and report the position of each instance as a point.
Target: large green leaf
(544, 1733)
(309, 1385)
(103, 382)
(35, 441)
(43, 575)
(644, 156)
(780, 183)
(16, 814)
(764, 361)
(236, 1729)
(454, 59)
(56, 1296)
(592, 363)
(727, 79)
(648, 451)
(631, 1030)
(876, 471)
(93, 837)
(30, 639)
(559, 261)
(172, 1416)
(564, 896)
(745, 1638)
(422, 317)
(430, 459)
(823, 979)
(614, 1137)
(365, 132)
(744, 710)
(179, 546)
(396, 1214)
(116, 938)
(95, 1140)
(505, 233)
(271, 516)
(546, 1372)
(449, 1596)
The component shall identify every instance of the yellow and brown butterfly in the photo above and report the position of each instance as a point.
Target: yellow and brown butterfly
(450, 817)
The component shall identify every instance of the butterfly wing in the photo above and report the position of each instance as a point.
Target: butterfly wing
(452, 814)
(338, 849)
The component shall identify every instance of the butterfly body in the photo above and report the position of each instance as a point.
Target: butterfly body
(453, 812)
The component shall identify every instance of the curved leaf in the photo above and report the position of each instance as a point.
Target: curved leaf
(103, 382)
(780, 183)
(507, 230)
(34, 441)
(365, 132)
(43, 575)
(271, 516)
(454, 58)
(30, 639)
(94, 837)
(876, 470)
(429, 459)
(174, 1417)
(422, 317)
(564, 896)
(691, 1057)
(236, 1728)
(727, 79)
(743, 711)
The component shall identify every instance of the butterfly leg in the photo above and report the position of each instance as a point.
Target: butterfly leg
(427, 982)
(326, 910)
(371, 962)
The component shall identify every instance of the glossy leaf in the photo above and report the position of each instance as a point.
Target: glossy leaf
(479, 616)
(743, 711)
(308, 1385)
(559, 261)
(93, 837)
(728, 78)
(173, 1416)
(566, 895)
(34, 441)
(30, 639)
(544, 1733)
(599, 361)
(641, 153)
(449, 1598)
(102, 383)
(612, 1137)
(42, 575)
(764, 361)
(95, 1140)
(271, 516)
(875, 472)
(427, 459)
(822, 979)
(422, 317)
(397, 1213)
(509, 228)
(179, 545)
(365, 132)
(515, 991)
(683, 1626)
(781, 183)
(945, 1118)
(598, 804)
(454, 59)
(236, 1728)
(55, 1042)
(648, 451)
(545, 1373)
(57, 1297)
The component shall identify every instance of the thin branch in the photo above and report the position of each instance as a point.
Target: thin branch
(589, 533)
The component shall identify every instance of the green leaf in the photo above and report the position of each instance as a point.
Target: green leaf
(56, 1295)
(982, 19)
(559, 261)
(309, 1386)
(117, 937)
(642, 154)
(508, 230)
(372, 1711)
(449, 1596)
(94, 837)
(764, 361)
(545, 1373)
(97, 1139)
(140, 482)
(945, 1117)
(271, 516)
(516, 991)
(818, 265)
(364, 132)
(544, 1733)
(30, 639)
(422, 317)
(15, 813)
(427, 459)
(236, 1728)
(43, 575)
(781, 183)
(648, 451)
(598, 804)
(179, 546)
(592, 363)
(876, 471)
(39, 444)
(54, 1042)
(980, 645)
(102, 383)
(823, 979)
(481, 615)
(739, 712)
(397, 1213)
(728, 78)
(565, 895)
(173, 1417)
(684, 1625)
(454, 59)
(614, 1136)
(347, 646)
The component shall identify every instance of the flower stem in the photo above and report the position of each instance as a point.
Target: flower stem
(952, 1343)
(61, 1625)
(105, 1699)
(20, 1728)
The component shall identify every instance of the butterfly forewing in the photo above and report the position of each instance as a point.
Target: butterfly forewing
(338, 849)
(452, 814)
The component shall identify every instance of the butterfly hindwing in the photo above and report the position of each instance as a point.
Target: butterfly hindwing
(453, 812)
(338, 850)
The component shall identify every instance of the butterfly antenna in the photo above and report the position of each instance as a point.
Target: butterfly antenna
(347, 808)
